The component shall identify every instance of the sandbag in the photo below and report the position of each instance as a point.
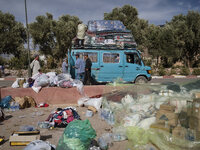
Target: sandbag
(31, 101)
(21, 82)
(23, 102)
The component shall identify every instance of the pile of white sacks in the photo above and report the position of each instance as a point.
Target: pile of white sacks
(50, 79)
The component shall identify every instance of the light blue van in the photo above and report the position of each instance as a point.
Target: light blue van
(109, 65)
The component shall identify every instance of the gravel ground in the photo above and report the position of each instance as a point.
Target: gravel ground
(31, 116)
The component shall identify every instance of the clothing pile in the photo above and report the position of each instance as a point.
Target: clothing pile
(62, 117)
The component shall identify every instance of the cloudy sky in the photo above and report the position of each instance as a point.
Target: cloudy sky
(155, 11)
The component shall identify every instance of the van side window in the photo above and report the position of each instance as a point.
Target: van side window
(133, 58)
(91, 55)
(111, 58)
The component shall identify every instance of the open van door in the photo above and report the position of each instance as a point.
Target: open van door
(111, 66)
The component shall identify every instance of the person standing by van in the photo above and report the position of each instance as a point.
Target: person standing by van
(88, 65)
(80, 68)
(64, 66)
(35, 65)
(81, 34)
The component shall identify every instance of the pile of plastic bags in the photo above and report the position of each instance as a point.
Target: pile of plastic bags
(50, 79)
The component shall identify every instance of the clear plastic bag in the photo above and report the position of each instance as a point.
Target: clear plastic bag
(40, 145)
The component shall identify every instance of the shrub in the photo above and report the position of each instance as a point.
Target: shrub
(148, 62)
(185, 71)
(58, 71)
(196, 71)
(51, 63)
(173, 71)
(19, 63)
(161, 71)
(19, 73)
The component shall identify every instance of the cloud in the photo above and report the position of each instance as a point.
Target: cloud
(155, 11)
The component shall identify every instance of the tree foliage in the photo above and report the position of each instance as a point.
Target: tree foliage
(187, 34)
(54, 37)
(42, 33)
(65, 30)
(12, 34)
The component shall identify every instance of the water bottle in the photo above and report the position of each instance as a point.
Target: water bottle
(12, 106)
(102, 143)
(16, 106)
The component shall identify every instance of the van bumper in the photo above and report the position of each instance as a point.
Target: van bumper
(149, 78)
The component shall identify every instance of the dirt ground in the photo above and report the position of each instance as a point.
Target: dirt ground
(31, 116)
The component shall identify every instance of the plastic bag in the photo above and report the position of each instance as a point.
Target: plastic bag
(82, 100)
(36, 89)
(15, 84)
(145, 124)
(5, 102)
(78, 134)
(79, 86)
(64, 76)
(25, 85)
(27, 128)
(51, 74)
(132, 120)
(105, 140)
(40, 145)
(42, 81)
(95, 102)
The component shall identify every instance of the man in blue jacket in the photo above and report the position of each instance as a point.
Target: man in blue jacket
(80, 68)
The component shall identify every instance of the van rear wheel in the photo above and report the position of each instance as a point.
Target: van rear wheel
(141, 80)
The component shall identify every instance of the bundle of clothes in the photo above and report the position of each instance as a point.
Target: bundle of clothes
(62, 117)
(51, 79)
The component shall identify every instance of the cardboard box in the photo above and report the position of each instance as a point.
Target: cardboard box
(167, 107)
(189, 107)
(168, 117)
(161, 127)
(197, 95)
(196, 108)
(194, 123)
(23, 138)
(179, 132)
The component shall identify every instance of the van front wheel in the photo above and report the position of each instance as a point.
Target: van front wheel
(141, 80)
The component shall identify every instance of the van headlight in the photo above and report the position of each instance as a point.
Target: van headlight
(149, 71)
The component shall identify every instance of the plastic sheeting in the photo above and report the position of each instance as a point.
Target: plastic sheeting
(164, 115)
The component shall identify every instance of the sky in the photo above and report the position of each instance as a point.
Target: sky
(155, 11)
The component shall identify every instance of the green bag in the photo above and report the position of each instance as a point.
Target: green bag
(77, 136)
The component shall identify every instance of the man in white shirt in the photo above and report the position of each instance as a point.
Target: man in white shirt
(35, 65)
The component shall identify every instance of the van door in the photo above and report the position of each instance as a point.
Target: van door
(94, 59)
(132, 66)
(111, 66)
